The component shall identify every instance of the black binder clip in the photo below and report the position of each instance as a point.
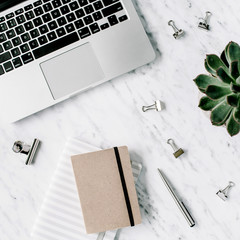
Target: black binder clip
(204, 23)
(30, 151)
(177, 32)
(177, 151)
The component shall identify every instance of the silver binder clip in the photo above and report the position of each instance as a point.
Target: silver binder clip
(156, 106)
(177, 151)
(177, 32)
(30, 151)
(223, 194)
(204, 23)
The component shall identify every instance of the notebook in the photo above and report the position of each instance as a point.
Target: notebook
(60, 216)
(106, 189)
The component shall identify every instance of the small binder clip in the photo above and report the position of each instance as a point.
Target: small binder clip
(177, 151)
(223, 194)
(30, 151)
(156, 106)
(177, 32)
(204, 23)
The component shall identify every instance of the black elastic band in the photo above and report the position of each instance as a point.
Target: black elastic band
(124, 186)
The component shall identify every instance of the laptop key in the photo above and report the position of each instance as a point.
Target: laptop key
(19, 30)
(66, 1)
(33, 44)
(7, 45)
(20, 19)
(11, 23)
(113, 20)
(70, 17)
(25, 37)
(5, 57)
(24, 48)
(37, 22)
(55, 45)
(17, 62)
(42, 40)
(15, 52)
(88, 20)
(94, 28)
(51, 36)
(64, 9)
(19, 11)
(69, 27)
(43, 29)
(61, 21)
(73, 5)
(28, 7)
(28, 26)
(3, 27)
(46, 17)
(98, 5)
(29, 15)
(10, 34)
(56, 13)
(37, 3)
(1, 70)
(83, 2)
(10, 15)
(109, 2)
(79, 23)
(27, 58)
(97, 16)
(38, 11)
(16, 41)
(123, 18)
(34, 33)
(89, 9)
(61, 32)
(2, 19)
(84, 32)
(80, 13)
(112, 9)
(52, 25)
(47, 7)
(8, 66)
(56, 3)
(1, 49)
(2, 37)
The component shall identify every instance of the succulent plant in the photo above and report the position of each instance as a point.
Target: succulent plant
(222, 88)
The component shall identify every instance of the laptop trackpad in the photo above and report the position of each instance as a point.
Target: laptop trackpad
(72, 71)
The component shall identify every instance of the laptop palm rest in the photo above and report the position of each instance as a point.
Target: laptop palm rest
(72, 71)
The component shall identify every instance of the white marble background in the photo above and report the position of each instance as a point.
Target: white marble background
(111, 115)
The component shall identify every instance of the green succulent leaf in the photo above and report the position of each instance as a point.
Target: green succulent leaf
(235, 88)
(233, 127)
(214, 62)
(232, 100)
(233, 51)
(203, 81)
(209, 69)
(208, 104)
(226, 53)
(236, 115)
(224, 59)
(221, 73)
(216, 92)
(234, 69)
(220, 113)
(238, 80)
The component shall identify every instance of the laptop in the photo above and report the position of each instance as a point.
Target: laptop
(51, 50)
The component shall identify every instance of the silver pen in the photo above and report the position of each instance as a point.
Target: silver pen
(179, 203)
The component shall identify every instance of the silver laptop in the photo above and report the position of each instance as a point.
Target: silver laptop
(51, 50)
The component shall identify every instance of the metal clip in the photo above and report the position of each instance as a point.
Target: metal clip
(177, 32)
(177, 151)
(204, 23)
(30, 151)
(156, 106)
(223, 193)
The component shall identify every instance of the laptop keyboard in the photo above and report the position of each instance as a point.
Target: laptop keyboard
(45, 26)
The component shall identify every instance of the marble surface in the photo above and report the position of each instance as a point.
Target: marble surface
(111, 115)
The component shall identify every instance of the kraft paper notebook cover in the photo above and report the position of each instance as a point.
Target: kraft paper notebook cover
(106, 189)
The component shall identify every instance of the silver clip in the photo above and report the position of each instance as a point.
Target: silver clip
(177, 151)
(177, 32)
(204, 24)
(156, 106)
(223, 194)
(30, 151)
